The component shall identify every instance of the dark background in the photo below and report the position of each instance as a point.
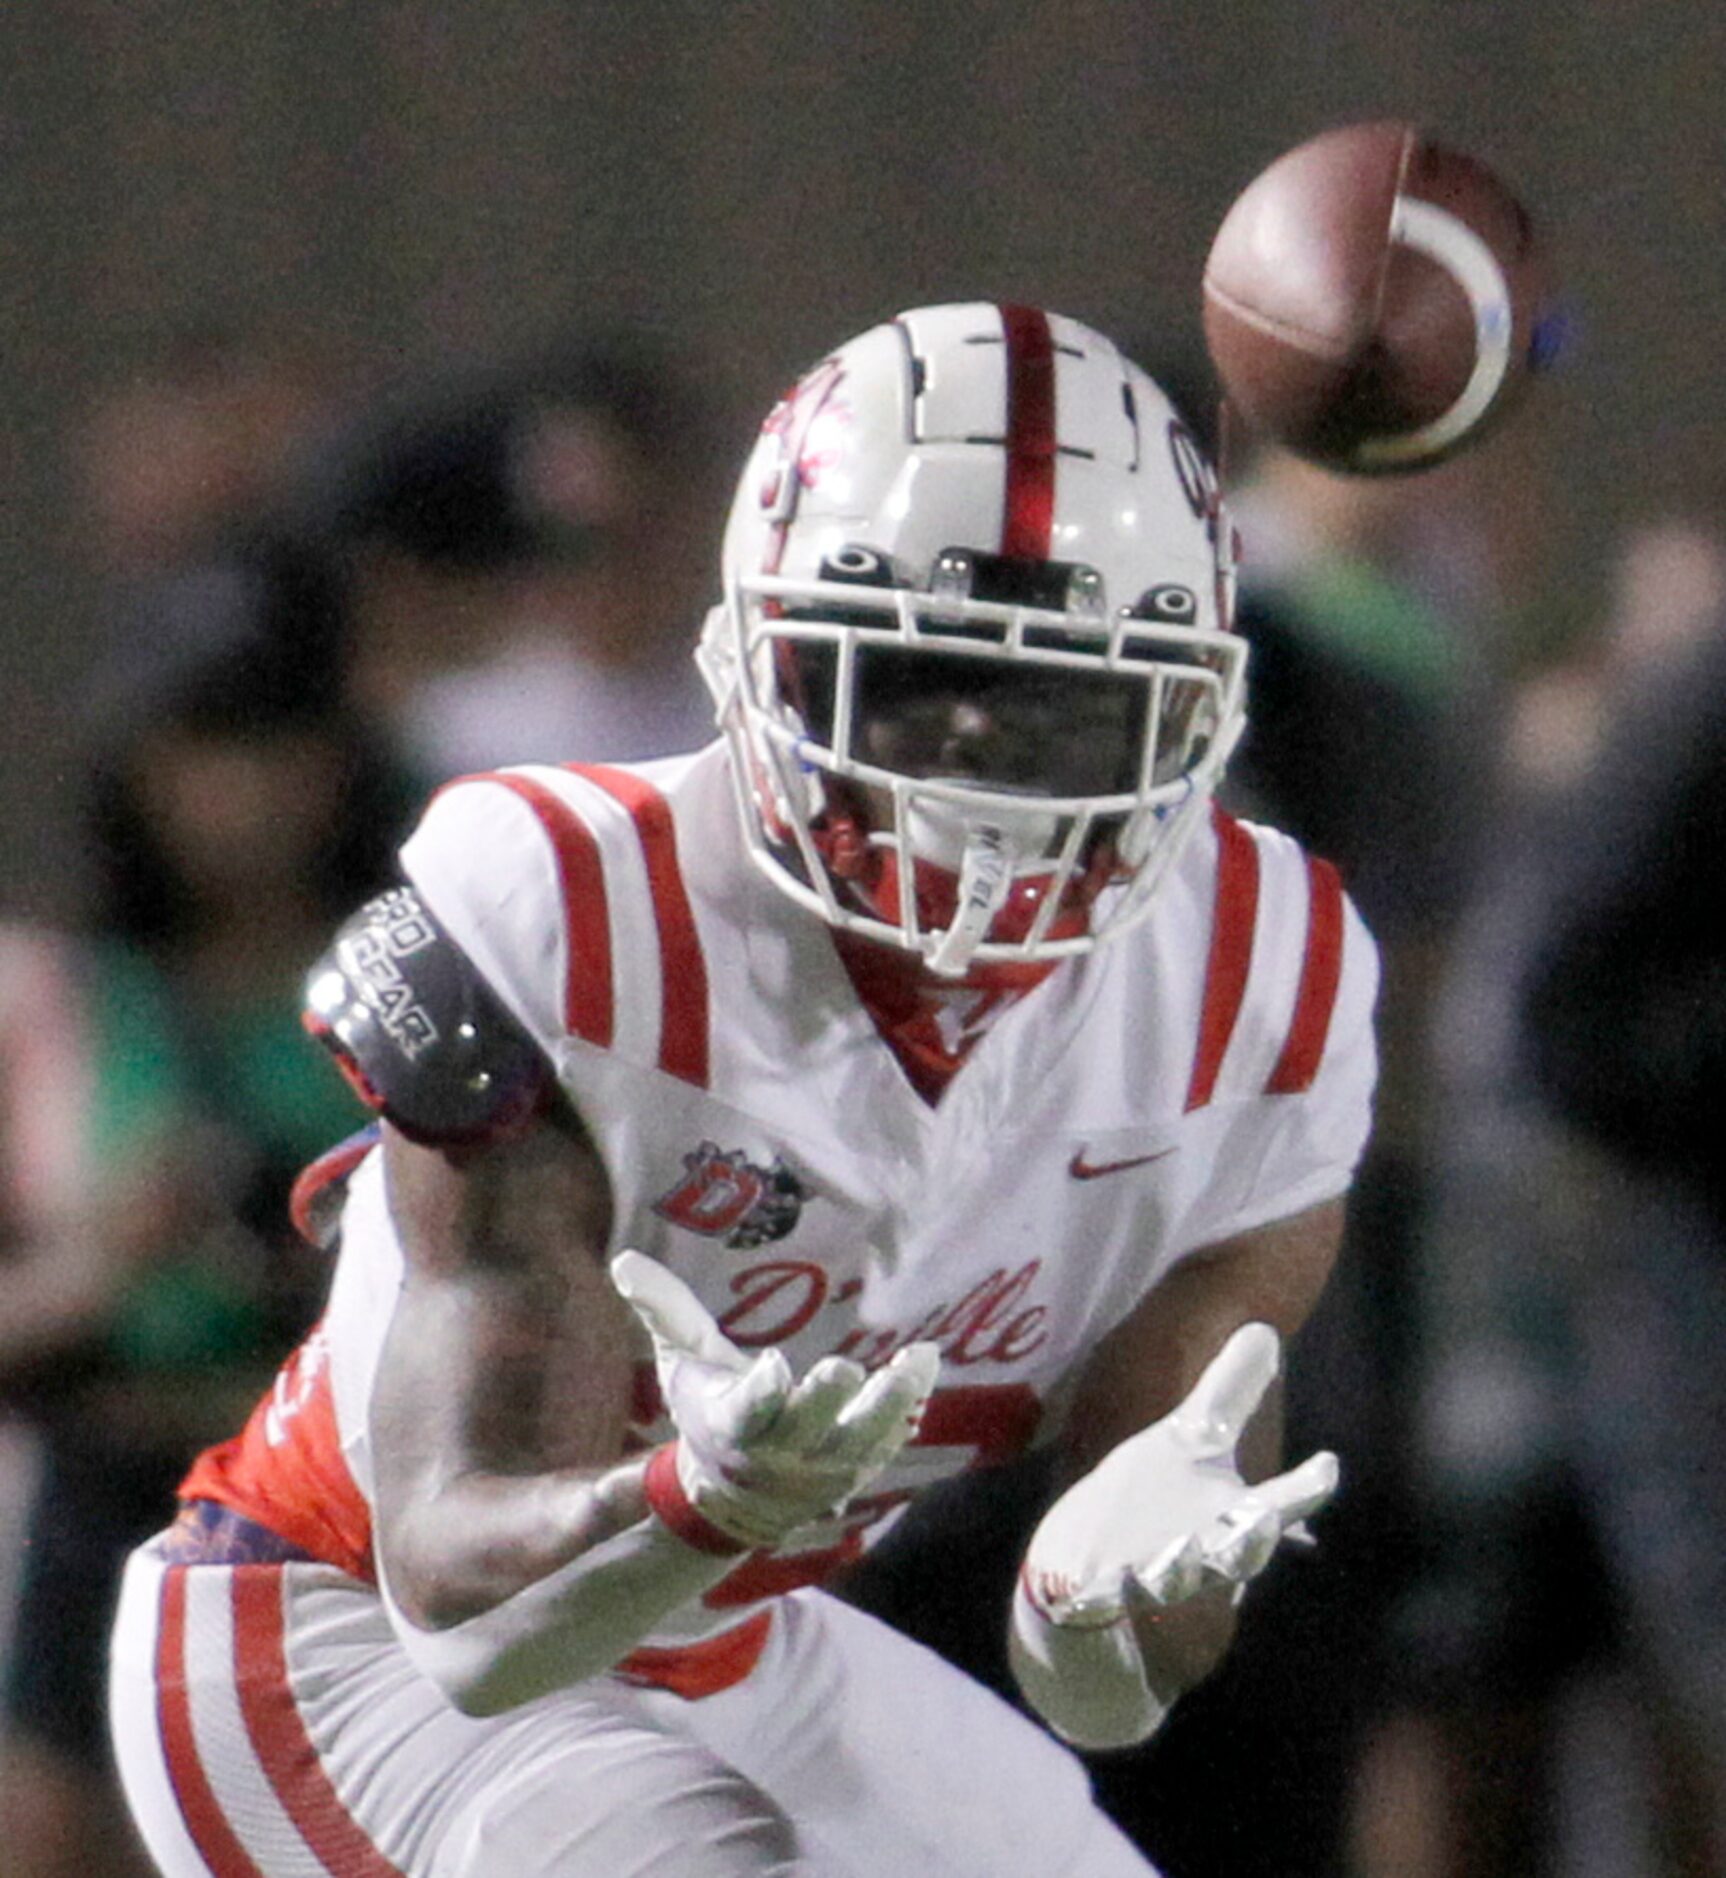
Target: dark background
(404, 182)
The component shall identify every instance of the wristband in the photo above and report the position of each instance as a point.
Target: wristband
(666, 1494)
(578, 1621)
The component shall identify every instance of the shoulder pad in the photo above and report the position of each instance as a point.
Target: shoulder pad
(418, 1032)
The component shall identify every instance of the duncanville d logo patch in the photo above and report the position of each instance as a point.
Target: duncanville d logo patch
(724, 1196)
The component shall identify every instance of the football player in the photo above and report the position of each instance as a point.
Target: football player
(922, 1072)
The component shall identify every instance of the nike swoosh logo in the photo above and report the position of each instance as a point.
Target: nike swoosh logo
(1081, 1169)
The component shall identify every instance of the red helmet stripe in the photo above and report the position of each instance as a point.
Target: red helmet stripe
(1028, 515)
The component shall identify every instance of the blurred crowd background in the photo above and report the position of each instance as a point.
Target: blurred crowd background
(371, 383)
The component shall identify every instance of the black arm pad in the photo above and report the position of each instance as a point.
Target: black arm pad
(418, 1031)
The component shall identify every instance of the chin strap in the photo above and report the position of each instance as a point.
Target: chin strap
(967, 877)
(985, 880)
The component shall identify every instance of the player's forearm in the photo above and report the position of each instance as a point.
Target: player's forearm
(1126, 1596)
(484, 1537)
(1181, 1644)
(534, 1600)
(1111, 1685)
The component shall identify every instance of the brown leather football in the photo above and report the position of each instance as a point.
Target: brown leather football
(1374, 299)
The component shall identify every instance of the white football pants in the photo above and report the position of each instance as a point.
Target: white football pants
(266, 1722)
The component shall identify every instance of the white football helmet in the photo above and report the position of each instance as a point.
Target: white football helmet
(974, 655)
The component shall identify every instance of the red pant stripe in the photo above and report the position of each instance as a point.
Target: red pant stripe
(279, 1737)
(215, 1839)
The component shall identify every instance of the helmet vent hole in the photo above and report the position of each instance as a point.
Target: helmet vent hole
(857, 565)
(1171, 602)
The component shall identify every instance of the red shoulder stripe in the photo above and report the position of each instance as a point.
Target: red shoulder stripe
(1232, 923)
(1029, 512)
(278, 1734)
(218, 1844)
(683, 1039)
(588, 997)
(1320, 974)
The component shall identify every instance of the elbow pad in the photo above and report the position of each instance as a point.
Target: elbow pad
(1086, 1681)
(576, 1622)
(420, 1034)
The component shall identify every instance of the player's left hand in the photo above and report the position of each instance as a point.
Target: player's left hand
(1166, 1514)
(761, 1453)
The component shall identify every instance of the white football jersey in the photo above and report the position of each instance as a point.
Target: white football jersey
(1209, 1072)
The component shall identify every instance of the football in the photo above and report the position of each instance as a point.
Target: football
(1374, 299)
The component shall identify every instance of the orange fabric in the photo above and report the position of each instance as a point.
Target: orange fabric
(694, 1670)
(285, 1469)
(772, 1574)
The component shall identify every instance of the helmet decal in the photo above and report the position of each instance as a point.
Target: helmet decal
(1197, 478)
(805, 423)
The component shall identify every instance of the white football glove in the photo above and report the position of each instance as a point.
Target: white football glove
(759, 1453)
(1166, 1513)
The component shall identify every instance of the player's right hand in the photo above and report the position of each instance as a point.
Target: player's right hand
(1166, 1513)
(759, 1452)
